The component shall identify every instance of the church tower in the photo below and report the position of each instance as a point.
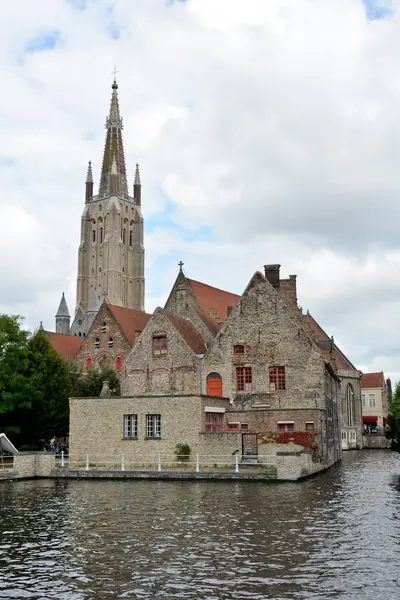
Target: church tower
(111, 252)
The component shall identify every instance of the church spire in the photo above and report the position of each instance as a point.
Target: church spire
(113, 150)
(89, 183)
(137, 187)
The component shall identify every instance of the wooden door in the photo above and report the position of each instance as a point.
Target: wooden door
(214, 385)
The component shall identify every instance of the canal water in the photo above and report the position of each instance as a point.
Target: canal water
(334, 536)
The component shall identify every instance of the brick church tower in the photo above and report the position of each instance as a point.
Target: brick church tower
(111, 252)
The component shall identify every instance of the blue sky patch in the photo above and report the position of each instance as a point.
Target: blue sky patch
(378, 9)
(78, 4)
(44, 41)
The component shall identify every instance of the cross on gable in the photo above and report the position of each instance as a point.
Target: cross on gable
(180, 265)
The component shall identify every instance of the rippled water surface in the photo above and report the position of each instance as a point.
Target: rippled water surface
(334, 536)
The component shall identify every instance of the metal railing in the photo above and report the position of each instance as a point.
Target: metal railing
(158, 462)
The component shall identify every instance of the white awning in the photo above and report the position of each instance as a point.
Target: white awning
(6, 445)
(214, 409)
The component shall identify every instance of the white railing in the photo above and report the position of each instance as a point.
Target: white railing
(155, 462)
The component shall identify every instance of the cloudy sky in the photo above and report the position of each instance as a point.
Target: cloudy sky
(267, 131)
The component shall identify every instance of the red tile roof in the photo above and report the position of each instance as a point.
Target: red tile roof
(129, 320)
(213, 299)
(66, 345)
(342, 362)
(373, 380)
(189, 333)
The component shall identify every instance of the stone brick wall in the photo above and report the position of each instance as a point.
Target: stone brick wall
(96, 425)
(33, 464)
(176, 372)
(264, 324)
(111, 329)
(265, 420)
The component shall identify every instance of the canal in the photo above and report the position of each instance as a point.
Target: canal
(333, 536)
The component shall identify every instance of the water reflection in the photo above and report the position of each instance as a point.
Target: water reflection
(333, 536)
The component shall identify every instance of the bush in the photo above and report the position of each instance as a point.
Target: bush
(182, 452)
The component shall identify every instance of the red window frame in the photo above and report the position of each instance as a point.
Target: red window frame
(285, 427)
(160, 345)
(214, 422)
(244, 379)
(277, 379)
(238, 349)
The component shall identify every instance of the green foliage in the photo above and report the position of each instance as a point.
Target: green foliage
(182, 452)
(89, 385)
(393, 422)
(50, 373)
(17, 387)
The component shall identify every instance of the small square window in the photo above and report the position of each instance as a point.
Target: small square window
(285, 427)
(239, 349)
(310, 426)
(160, 344)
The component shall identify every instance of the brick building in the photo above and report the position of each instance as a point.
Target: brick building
(375, 392)
(111, 336)
(350, 386)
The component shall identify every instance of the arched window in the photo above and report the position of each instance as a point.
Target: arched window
(130, 237)
(214, 385)
(99, 206)
(124, 236)
(101, 235)
(238, 349)
(119, 363)
(94, 235)
(89, 363)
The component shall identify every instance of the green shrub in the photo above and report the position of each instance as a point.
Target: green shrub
(182, 452)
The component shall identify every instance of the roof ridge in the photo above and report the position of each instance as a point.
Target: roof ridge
(213, 286)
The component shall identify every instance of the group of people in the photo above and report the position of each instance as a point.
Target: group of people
(55, 445)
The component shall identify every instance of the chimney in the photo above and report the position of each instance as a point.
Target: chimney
(272, 274)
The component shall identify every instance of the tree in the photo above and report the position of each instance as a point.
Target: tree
(89, 385)
(17, 386)
(50, 410)
(393, 421)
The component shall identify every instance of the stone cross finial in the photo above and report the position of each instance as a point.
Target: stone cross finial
(180, 265)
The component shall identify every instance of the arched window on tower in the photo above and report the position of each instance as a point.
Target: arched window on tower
(130, 238)
(124, 236)
(101, 235)
(94, 235)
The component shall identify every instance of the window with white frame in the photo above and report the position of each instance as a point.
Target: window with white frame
(153, 426)
(371, 400)
(130, 426)
(363, 400)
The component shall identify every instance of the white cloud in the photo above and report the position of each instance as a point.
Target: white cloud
(271, 128)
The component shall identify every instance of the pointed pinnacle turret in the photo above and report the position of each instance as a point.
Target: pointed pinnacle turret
(94, 303)
(89, 176)
(113, 149)
(63, 308)
(137, 175)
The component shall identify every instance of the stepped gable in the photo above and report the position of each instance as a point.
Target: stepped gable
(189, 333)
(67, 346)
(373, 380)
(213, 301)
(342, 362)
(129, 320)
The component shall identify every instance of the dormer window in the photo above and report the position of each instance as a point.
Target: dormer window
(160, 344)
(110, 342)
(103, 329)
(97, 343)
(238, 349)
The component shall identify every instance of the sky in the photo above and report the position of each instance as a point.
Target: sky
(266, 132)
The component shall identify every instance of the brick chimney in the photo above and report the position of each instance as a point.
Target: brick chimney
(272, 274)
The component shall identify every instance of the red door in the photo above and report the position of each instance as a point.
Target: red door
(214, 385)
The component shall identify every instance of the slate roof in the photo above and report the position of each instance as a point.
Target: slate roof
(63, 308)
(373, 380)
(189, 333)
(342, 362)
(129, 320)
(66, 345)
(212, 299)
